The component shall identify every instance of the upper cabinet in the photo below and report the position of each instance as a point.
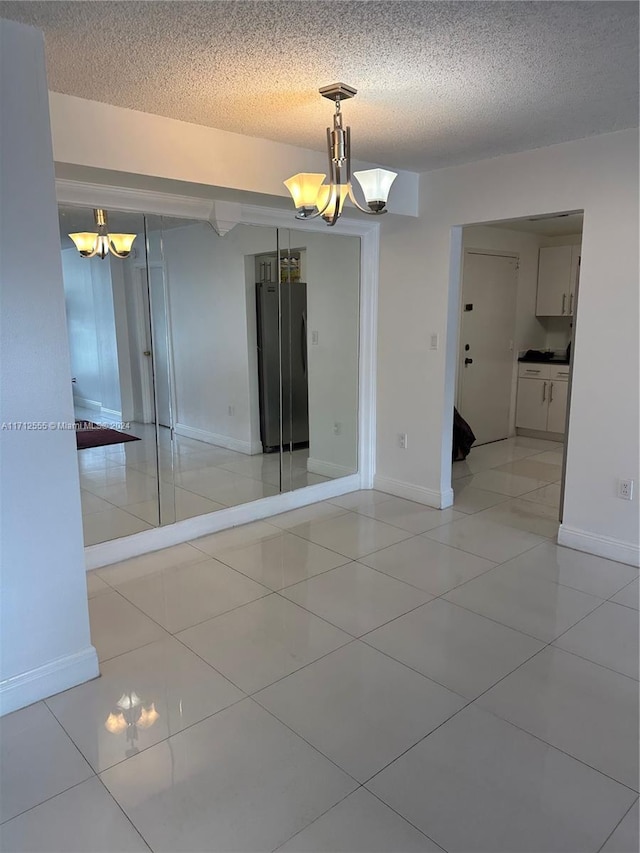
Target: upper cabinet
(558, 270)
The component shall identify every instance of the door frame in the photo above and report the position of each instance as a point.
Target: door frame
(88, 194)
(499, 253)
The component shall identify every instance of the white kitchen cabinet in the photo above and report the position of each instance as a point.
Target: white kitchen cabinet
(558, 270)
(557, 406)
(532, 407)
(541, 402)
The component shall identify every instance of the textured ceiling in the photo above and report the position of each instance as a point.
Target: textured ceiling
(439, 83)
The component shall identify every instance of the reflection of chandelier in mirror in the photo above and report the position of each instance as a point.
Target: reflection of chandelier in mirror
(313, 198)
(129, 715)
(90, 243)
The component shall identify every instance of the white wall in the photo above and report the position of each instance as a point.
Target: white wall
(419, 278)
(211, 283)
(45, 645)
(81, 326)
(91, 323)
(88, 133)
(209, 303)
(123, 348)
(332, 273)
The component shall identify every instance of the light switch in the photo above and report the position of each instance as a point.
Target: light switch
(314, 338)
(434, 341)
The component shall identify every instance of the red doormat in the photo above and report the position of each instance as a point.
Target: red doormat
(89, 434)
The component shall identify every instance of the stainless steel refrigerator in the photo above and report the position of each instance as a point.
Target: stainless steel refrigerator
(282, 350)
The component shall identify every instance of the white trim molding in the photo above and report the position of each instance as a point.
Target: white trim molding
(327, 469)
(84, 403)
(601, 546)
(116, 550)
(429, 497)
(227, 441)
(137, 201)
(53, 677)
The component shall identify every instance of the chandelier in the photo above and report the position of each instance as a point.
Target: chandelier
(90, 243)
(312, 197)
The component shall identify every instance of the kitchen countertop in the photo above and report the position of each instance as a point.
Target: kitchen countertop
(544, 360)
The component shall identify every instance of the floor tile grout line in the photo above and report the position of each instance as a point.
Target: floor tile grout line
(315, 819)
(305, 538)
(600, 849)
(499, 563)
(114, 585)
(250, 694)
(244, 696)
(508, 722)
(126, 816)
(403, 817)
(558, 748)
(302, 738)
(52, 797)
(439, 683)
(594, 662)
(267, 593)
(356, 636)
(317, 574)
(434, 595)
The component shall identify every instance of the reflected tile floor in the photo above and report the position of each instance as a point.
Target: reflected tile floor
(120, 485)
(364, 674)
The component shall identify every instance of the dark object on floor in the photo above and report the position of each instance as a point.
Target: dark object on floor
(463, 437)
(89, 434)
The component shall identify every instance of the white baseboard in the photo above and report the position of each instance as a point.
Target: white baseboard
(44, 681)
(429, 497)
(84, 403)
(327, 469)
(226, 441)
(601, 546)
(111, 414)
(116, 550)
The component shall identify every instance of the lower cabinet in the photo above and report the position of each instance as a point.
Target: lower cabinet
(541, 402)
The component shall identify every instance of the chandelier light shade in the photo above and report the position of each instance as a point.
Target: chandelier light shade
(327, 195)
(375, 184)
(304, 189)
(312, 197)
(91, 243)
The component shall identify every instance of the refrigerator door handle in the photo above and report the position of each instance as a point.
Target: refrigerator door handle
(303, 342)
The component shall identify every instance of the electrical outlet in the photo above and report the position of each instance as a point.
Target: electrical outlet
(337, 428)
(434, 341)
(625, 490)
(314, 338)
(232, 411)
(402, 440)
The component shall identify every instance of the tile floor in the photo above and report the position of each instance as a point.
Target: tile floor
(120, 485)
(365, 674)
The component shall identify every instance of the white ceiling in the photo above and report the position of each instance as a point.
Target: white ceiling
(439, 83)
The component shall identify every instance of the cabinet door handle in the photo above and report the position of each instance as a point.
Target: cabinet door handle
(532, 370)
(544, 391)
(551, 393)
(571, 303)
(564, 301)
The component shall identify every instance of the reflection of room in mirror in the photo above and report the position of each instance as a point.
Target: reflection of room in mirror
(174, 335)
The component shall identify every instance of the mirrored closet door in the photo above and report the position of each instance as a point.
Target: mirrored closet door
(233, 362)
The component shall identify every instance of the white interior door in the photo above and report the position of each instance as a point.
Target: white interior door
(489, 289)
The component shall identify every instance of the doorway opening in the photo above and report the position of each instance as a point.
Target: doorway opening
(517, 305)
